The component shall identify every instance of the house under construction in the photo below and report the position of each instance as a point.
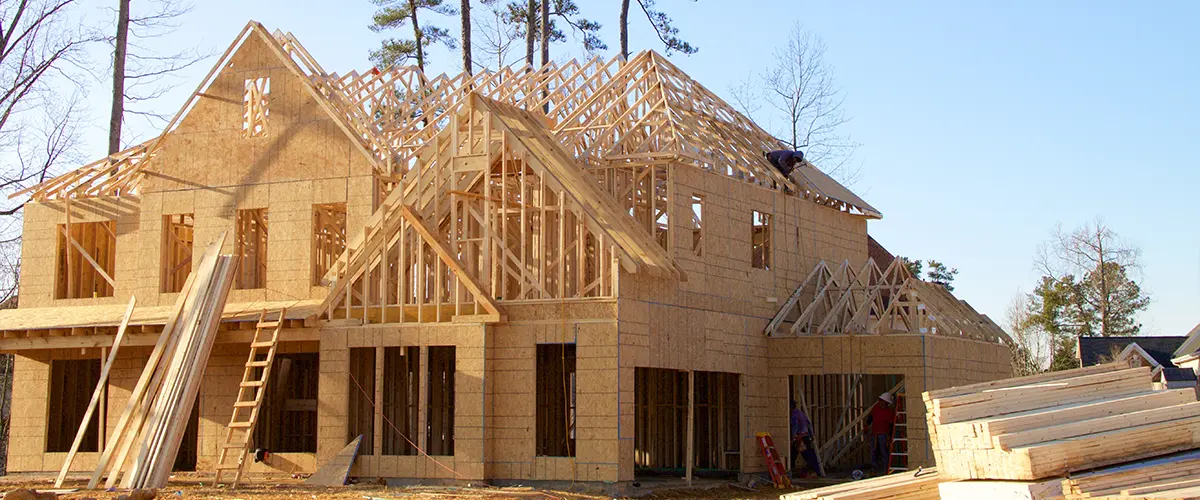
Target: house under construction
(585, 271)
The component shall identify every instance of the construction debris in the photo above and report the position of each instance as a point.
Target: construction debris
(155, 416)
(921, 484)
(1047, 425)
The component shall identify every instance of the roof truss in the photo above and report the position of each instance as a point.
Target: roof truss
(863, 301)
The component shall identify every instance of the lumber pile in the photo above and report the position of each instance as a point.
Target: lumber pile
(918, 485)
(153, 421)
(1047, 425)
(1171, 477)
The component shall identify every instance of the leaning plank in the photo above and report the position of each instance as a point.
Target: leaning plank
(337, 469)
(87, 416)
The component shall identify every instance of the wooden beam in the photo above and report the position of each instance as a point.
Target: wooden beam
(691, 426)
(426, 233)
(84, 253)
(87, 416)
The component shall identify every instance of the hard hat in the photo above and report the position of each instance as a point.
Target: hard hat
(887, 398)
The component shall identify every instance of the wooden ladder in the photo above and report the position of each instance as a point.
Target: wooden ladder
(898, 446)
(250, 397)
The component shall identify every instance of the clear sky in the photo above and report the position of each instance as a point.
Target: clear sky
(982, 125)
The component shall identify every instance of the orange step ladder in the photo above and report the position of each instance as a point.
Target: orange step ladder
(774, 461)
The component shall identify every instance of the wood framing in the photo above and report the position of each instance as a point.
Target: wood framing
(178, 239)
(869, 301)
(86, 260)
(251, 248)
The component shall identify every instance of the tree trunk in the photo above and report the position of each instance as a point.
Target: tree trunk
(412, 5)
(625, 29)
(545, 32)
(118, 90)
(530, 30)
(466, 36)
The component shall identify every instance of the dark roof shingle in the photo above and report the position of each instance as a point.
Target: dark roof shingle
(1096, 350)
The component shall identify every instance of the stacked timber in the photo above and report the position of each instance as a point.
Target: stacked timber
(1048, 425)
(152, 424)
(1170, 477)
(919, 485)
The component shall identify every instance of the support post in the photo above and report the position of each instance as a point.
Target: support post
(691, 425)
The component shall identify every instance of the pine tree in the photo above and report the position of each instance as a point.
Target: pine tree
(940, 274)
(667, 33)
(394, 14)
(539, 21)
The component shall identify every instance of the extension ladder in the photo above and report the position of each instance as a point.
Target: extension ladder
(898, 447)
(250, 397)
(774, 461)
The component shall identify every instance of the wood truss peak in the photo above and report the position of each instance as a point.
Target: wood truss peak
(866, 300)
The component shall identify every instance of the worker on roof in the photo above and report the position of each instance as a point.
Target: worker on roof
(802, 441)
(785, 161)
(881, 422)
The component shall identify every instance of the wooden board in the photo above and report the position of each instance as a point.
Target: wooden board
(336, 471)
(916, 485)
(1048, 489)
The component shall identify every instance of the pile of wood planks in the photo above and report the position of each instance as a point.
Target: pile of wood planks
(153, 421)
(1169, 477)
(1047, 425)
(917, 485)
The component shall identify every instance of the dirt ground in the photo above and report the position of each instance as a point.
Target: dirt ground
(291, 489)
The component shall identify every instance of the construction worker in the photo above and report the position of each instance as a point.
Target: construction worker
(881, 421)
(785, 161)
(802, 435)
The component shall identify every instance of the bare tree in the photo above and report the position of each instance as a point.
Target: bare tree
(495, 34)
(42, 65)
(1096, 276)
(141, 72)
(801, 96)
(1032, 347)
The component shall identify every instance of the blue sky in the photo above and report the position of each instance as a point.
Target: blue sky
(982, 125)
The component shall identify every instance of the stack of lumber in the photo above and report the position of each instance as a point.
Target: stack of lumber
(153, 421)
(1176, 476)
(1047, 425)
(918, 485)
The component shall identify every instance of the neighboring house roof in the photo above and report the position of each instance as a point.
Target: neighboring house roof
(1191, 344)
(1096, 350)
(1179, 375)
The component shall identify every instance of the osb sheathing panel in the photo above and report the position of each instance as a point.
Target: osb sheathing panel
(470, 342)
(512, 372)
(39, 247)
(207, 168)
(714, 320)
